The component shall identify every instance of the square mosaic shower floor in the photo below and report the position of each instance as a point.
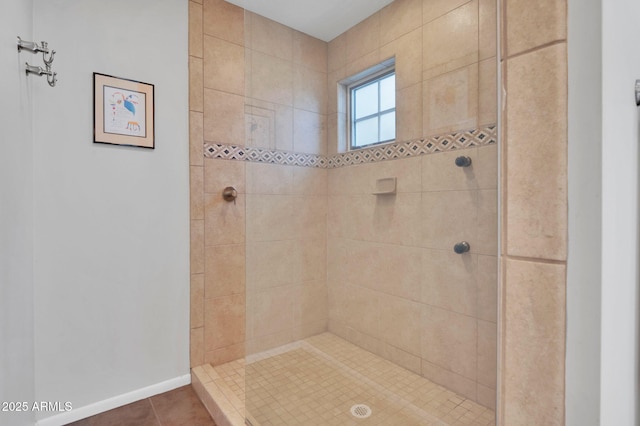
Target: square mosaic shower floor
(318, 380)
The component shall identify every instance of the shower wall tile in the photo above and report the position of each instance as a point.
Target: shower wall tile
(400, 323)
(224, 270)
(399, 18)
(218, 174)
(196, 184)
(488, 159)
(224, 20)
(409, 115)
(269, 179)
(284, 127)
(398, 356)
(432, 9)
(224, 355)
(310, 52)
(309, 89)
(440, 173)
(271, 310)
(338, 215)
(272, 79)
(408, 53)
(309, 329)
(195, 29)
(197, 246)
(196, 347)
(487, 87)
(223, 66)
(197, 300)
(449, 217)
(311, 307)
(270, 264)
(363, 38)
(309, 181)
(451, 101)
(271, 37)
(449, 281)
(309, 132)
(311, 260)
(532, 24)
(223, 117)
(534, 343)
(196, 88)
(451, 41)
(456, 382)
(224, 221)
(406, 170)
(449, 340)
(196, 138)
(364, 62)
(224, 321)
(337, 53)
(269, 217)
(310, 217)
(486, 396)
(487, 29)
(488, 288)
(536, 199)
(487, 239)
(487, 354)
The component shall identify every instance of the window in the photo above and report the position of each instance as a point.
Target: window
(372, 107)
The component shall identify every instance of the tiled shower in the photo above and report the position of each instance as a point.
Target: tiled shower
(306, 248)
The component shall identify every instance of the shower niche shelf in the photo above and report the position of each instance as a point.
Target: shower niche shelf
(386, 186)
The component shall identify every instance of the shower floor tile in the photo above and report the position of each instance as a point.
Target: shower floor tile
(316, 381)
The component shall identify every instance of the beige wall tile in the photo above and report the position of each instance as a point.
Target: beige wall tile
(224, 321)
(449, 341)
(488, 173)
(451, 41)
(451, 101)
(272, 79)
(486, 396)
(487, 92)
(409, 113)
(440, 173)
(270, 264)
(536, 199)
(270, 217)
(223, 66)
(488, 28)
(364, 62)
(532, 24)
(196, 347)
(224, 221)
(224, 270)
(399, 18)
(197, 246)
(400, 323)
(487, 242)
(406, 170)
(337, 53)
(312, 305)
(311, 260)
(457, 383)
(223, 117)
(310, 52)
(218, 174)
(265, 178)
(403, 359)
(534, 343)
(224, 20)
(196, 138)
(309, 132)
(432, 9)
(271, 310)
(488, 288)
(305, 330)
(363, 38)
(310, 217)
(309, 181)
(263, 343)
(196, 183)
(224, 355)
(449, 281)
(284, 128)
(197, 300)
(195, 29)
(271, 37)
(408, 53)
(309, 89)
(337, 216)
(487, 353)
(449, 217)
(196, 88)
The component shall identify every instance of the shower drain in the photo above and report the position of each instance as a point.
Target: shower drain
(361, 411)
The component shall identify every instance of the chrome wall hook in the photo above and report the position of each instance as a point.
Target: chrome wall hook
(43, 47)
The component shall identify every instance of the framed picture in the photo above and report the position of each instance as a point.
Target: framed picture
(123, 112)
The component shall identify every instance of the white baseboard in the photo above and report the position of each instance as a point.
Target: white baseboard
(115, 402)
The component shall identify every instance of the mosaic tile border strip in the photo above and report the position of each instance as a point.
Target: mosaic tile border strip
(429, 145)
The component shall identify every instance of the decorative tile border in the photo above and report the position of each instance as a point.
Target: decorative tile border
(429, 145)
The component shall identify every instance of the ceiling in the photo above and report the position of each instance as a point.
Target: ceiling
(323, 19)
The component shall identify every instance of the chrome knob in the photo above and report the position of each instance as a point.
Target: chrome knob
(462, 247)
(463, 161)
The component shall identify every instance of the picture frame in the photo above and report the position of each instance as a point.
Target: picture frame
(123, 112)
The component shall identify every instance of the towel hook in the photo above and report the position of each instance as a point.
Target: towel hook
(43, 47)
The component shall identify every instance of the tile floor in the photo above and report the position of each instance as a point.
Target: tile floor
(174, 408)
(316, 381)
